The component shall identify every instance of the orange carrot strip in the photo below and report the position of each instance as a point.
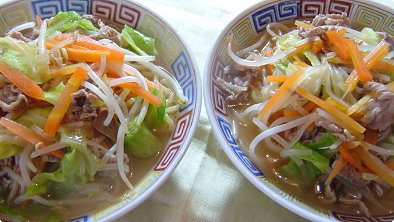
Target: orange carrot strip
(139, 91)
(302, 48)
(309, 106)
(301, 64)
(375, 165)
(22, 82)
(65, 70)
(390, 165)
(83, 55)
(359, 65)
(86, 42)
(337, 41)
(383, 66)
(337, 104)
(370, 61)
(317, 46)
(345, 121)
(78, 55)
(280, 78)
(291, 113)
(27, 134)
(344, 152)
(62, 104)
(337, 167)
(282, 89)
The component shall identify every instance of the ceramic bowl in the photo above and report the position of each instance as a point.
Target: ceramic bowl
(174, 55)
(245, 29)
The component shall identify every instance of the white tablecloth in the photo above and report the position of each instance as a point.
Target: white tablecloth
(206, 186)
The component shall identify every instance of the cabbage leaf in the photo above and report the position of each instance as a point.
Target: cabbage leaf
(24, 58)
(78, 166)
(140, 142)
(138, 42)
(68, 21)
(52, 95)
(156, 116)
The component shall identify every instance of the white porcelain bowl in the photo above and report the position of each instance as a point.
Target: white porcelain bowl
(245, 28)
(174, 55)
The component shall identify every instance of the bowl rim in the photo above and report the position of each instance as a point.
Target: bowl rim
(263, 187)
(188, 138)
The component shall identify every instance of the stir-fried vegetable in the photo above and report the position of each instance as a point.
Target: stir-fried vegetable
(322, 98)
(76, 103)
(61, 106)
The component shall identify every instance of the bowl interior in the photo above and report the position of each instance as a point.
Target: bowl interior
(245, 29)
(174, 56)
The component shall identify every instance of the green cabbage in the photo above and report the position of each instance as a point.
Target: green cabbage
(78, 166)
(370, 36)
(24, 58)
(156, 116)
(140, 142)
(35, 116)
(288, 40)
(304, 174)
(68, 21)
(52, 95)
(8, 149)
(138, 42)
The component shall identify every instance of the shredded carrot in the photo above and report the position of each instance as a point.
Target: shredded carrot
(317, 46)
(88, 43)
(360, 66)
(62, 104)
(65, 70)
(375, 165)
(337, 40)
(139, 91)
(348, 156)
(22, 82)
(301, 64)
(291, 113)
(302, 48)
(337, 167)
(282, 89)
(280, 78)
(309, 106)
(390, 165)
(371, 136)
(372, 59)
(27, 134)
(337, 104)
(383, 66)
(83, 55)
(304, 25)
(345, 121)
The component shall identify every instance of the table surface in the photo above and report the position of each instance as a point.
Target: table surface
(206, 186)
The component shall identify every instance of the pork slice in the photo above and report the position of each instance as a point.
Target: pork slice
(12, 100)
(380, 110)
(80, 107)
